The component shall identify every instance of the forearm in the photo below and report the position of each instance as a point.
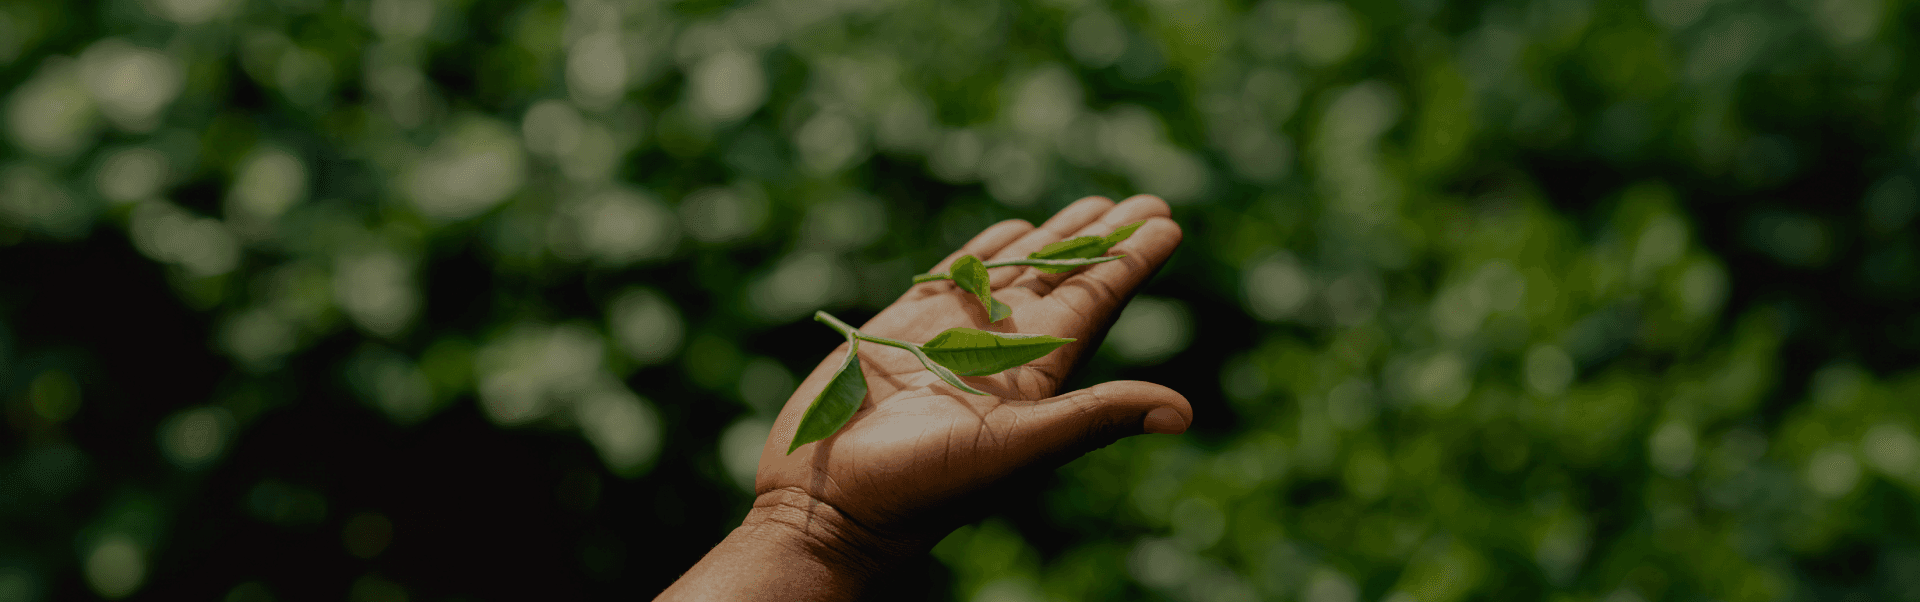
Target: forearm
(791, 548)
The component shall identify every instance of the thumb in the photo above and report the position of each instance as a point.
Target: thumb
(1075, 423)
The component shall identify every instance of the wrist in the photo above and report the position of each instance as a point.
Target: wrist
(792, 547)
(802, 524)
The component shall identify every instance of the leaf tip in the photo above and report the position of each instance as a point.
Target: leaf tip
(800, 439)
(999, 311)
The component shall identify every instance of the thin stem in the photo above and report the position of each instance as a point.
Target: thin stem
(828, 319)
(932, 276)
(854, 336)
(854, 333)
(886, 341)
(1055, 262)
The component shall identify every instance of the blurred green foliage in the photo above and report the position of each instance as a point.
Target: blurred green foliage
(1503, 300)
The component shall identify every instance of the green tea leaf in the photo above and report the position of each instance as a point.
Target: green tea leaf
(971, 276)
(1121, 233)
(998, 311)
(1079, 247)
(1057, 263)
(977, 352)
(836, 403)
(1024, 261)
(1082, 247)
(941, 371)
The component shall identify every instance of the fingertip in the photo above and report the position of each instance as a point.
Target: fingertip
(1147, 205)
(1145, 395)
(1013, 223)
(998, 235)
(1162, 411)
(1094, 199)
(1165, 420)
(1160, 229)
(1077, 214)
(1095, 417)
(988, 241)
(1153, 243)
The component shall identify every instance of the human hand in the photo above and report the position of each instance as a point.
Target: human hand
(912, 463)
(921, 457)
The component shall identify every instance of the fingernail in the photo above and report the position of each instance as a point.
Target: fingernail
(1165, 421)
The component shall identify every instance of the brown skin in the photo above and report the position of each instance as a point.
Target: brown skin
(921, 458)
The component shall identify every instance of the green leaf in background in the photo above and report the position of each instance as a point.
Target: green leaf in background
(836, 403)
(1082, 247)
(972, 277)
(973, 352)
(1467, 318)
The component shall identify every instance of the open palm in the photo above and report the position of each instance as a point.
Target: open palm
(917, 457)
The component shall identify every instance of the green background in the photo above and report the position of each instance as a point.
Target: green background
(479, 299)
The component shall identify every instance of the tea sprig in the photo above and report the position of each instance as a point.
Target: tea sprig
(949, 355)
(954, 352)
(1053, 263)
(971, 274)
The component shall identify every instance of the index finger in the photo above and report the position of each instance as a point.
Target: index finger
(1140, 208)
(1099, 290)
(987, 242)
